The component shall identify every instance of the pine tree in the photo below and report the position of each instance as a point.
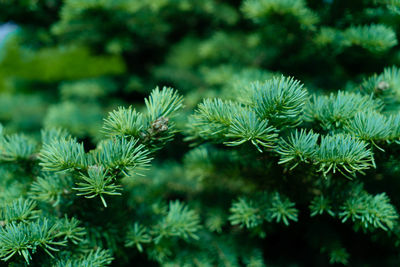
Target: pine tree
(279, 147)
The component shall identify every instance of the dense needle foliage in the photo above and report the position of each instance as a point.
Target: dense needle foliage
(269, 133)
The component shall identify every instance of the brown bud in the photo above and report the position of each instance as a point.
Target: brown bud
(382, 85)
(160, 124)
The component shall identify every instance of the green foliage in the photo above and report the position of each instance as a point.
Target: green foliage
(269, 207)
(50, 188)
(97, 183)
(53, 134)
(163, 103)
(18, 211)
(247, 127)
(125, 121)
(336, 110)
(23, 239)
(68, 172)
(339, 255)
(282, 209)
(137, 236)
(95, 258)
(245, 213)
(87, 122)
(257, 9)
(70, 230)
(394, 122)
(153, 128)
(279, 100)
(55, 64)
(212, 118)
(16, 147)
(63, 154)
(23, 232)
(300, 147)
(119, 154)
(369, 211)
(375, 38)
(320, 205)
(384, 86)
(370, 126)
(343, 153)
(179, 221)
(291, 107)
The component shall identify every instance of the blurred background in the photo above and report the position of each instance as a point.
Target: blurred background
(69, 62)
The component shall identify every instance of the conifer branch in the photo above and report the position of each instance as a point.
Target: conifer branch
(247, 127)
(370, 126)
(137, 236)
(63, 155)
(376, 38)
(320, 205)
(18, 211)
(369, 211)
(245, 213)
(335, 110)
(383, 86)
(50, 188)
(179, 221)
(154, 128)
(394, 122)
(23, 239)
(343, 153)
(95, 258)
(97, 183)
(282, 209)
(16, 147)
(301, 146)
(280, 100)
(70, 230)
(259, 9)
(53, 134)
(124, 122)
(252, 212)
(119, 154)
(163, 103)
